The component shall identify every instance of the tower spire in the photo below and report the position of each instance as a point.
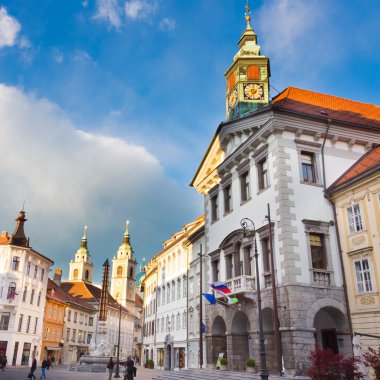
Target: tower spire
(18, 237)
(247, 15)
(83, 243)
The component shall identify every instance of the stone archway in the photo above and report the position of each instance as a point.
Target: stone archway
(238, 351)
(217, 340)
(331, 330)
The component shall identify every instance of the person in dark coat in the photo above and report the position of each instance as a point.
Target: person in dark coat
(110, 366)
(130, 364)
(33, 369)
(44, 365)
(4, 362)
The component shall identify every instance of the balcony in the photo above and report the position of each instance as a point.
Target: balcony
(241, 284)
(321, 277)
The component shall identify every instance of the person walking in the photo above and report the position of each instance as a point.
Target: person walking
(44, 365)
(4, 362)
(32, 369)
(110, 366)
(130, 364)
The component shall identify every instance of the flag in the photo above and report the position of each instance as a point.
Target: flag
(203, 328)
(210, 298)
(220, 287)
(232, 300)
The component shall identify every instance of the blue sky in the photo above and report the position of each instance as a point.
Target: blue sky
(107, 106)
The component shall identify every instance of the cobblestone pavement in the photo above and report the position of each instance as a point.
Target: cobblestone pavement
(62, 373)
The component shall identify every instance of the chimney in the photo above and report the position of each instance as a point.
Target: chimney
(57, 276)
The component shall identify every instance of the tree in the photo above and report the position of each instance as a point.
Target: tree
(371, 359)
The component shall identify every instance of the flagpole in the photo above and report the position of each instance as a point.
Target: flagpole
(200, 310)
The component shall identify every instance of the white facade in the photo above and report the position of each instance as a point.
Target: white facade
(259, 160)
(23, 284)
(165, 301)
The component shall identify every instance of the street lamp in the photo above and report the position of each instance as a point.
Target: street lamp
(117, 374)
(245, 223)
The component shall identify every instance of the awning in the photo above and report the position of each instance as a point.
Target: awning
(52, 348)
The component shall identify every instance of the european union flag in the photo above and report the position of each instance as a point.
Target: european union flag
(210, 298)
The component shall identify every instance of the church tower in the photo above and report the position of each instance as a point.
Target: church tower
(247, 79)
(81, 267)
(123, 280)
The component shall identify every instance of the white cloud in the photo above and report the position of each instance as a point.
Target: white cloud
(9, 29)
(167, 24)
(82, 56)
(70, 177)
(139, 9)
(109, 11)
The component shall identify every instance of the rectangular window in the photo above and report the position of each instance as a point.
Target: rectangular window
(262, 168)
(24, 294)
(227, 199)
(91, 321)
(69, 316)
(35, 325)
(214, 208)
(245, 187)
(308, 167)
(20, 322)
(42, 274)
(266, 254)
(363, 276)
(74, 335)
(89, 337)
(67, 334)
(28, 324)
(15, 263)
(354, 216)
(318, 254)
(35, 271)
(4, 321)
(28, 268)
(75, 316)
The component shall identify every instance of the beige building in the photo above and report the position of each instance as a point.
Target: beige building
(356, 196)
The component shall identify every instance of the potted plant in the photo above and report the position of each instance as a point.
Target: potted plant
(223, 364)
(250, 365)
(149, 364)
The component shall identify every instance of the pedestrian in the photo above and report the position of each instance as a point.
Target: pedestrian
(1, 361)
(130, 364)
(44, 365)
(49, 363)
(4, 362)
(110, 368)
(32, 369)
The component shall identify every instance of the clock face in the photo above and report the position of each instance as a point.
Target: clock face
(253, 91)
(232, 98)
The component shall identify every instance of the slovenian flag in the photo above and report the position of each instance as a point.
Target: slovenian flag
(220, 287)
(210, 298)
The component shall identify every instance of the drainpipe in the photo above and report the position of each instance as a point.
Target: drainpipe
(323, 151)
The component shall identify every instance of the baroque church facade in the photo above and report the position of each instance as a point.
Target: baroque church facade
(278, 155)
(120, 301)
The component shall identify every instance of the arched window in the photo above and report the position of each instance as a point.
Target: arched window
(168, 294)
(39, 299)
(87, 274)
(119, 271)
(32, 297)
(76, 273)
(24, 294)
(131, 272)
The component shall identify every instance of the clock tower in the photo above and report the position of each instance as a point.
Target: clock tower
(247, 79)
(123, 280)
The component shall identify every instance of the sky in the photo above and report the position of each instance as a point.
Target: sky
(108, 106)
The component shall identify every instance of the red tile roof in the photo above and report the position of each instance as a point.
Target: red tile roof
(336, 108)
(366, 164)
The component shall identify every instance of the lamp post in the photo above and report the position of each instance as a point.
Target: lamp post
(200, 309)
(263, 365)
(117, 374)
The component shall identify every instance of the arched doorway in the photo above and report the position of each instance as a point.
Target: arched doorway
(218, 340)
(331, 327)
(239, 352)
(168, 357)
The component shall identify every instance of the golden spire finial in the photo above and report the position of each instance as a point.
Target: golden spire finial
(248, 16)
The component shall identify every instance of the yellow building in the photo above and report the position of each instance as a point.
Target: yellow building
(356, 197)
(52, 333)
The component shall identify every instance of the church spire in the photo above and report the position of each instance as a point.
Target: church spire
(248, 76)
(83, 243)
(126, 233)
(18, 237)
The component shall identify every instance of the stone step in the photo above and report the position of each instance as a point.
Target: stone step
(207, 374)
